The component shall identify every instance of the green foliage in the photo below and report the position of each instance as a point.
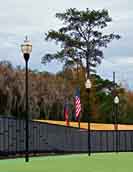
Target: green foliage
(81, 37)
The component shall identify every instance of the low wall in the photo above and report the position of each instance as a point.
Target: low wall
(44, 137)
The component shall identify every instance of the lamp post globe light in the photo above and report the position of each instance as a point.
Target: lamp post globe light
(88, 86)
(116, 102)
(26, 49)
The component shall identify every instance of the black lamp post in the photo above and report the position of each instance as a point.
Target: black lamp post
(88, 87)
(26, 49)
(116, 102)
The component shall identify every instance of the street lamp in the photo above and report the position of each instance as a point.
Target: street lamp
(116, 102)
(26, 49)
(88, 86)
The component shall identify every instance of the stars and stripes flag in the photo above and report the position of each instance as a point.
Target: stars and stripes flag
(77, 103)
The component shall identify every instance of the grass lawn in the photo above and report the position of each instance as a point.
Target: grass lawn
(108, 162)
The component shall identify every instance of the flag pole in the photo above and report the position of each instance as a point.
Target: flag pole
(78, 120)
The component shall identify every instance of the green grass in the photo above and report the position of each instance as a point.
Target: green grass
(108, 162)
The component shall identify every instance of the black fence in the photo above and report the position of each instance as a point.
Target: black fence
(51, 138)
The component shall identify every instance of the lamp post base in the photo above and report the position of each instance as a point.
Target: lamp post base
(27, 159)
(89, 140)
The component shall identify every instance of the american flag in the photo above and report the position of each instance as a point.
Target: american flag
(77, 103)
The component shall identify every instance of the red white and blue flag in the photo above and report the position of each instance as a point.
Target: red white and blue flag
(77, 103)
(66, 113)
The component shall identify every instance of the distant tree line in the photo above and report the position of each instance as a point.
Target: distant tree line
(48, 93)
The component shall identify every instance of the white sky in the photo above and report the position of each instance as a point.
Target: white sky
(35, 17)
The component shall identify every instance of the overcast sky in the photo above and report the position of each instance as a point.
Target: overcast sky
(35, 17)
